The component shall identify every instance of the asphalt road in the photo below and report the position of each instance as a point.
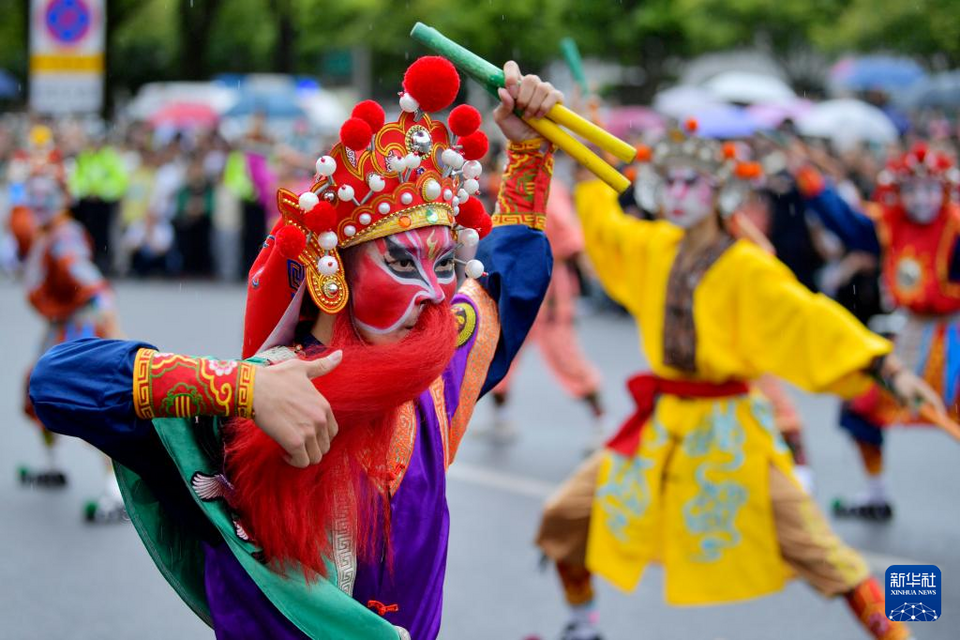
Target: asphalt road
(64, 579)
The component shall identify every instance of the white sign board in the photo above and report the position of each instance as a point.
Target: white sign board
(66, 56)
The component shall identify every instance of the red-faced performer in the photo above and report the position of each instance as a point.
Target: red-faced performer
(319, 509)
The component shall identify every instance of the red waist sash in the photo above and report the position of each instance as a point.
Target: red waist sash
(646, 387)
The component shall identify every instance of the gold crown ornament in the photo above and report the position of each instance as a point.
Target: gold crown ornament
(386, 178)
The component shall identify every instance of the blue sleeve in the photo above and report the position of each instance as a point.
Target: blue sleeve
(84, 388)
(856, 230)
(518, 262)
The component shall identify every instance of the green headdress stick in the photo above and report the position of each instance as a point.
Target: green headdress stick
(491, 78)
(568, 47)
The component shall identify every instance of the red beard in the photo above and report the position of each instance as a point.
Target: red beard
(290, 512)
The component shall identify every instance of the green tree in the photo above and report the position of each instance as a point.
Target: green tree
(13, 36)
(929, 29)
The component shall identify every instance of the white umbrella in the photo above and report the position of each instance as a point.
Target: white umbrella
(680, 101)
(154, 96)
(744, 87)
(325, 112)
(847, 122)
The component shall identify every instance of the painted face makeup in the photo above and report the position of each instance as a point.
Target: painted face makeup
(44, 197)
(687, 197)
(391, 279)
(922, 198)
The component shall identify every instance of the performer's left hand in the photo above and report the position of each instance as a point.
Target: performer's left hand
(531, 95)
(915, 391)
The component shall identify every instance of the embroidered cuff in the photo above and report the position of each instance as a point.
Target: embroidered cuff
(525, 185)
(167, 385)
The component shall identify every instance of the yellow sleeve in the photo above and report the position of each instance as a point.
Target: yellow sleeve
(617, 244)
(805, 338)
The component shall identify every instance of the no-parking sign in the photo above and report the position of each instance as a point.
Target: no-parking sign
(66, 55)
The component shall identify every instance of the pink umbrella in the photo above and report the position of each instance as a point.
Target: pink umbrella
(771, 115)
(184, 115)
(631, 120)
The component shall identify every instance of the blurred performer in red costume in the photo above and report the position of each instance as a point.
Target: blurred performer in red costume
(66, 288)
(914, 229)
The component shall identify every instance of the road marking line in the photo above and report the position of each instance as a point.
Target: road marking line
(533, 488)
(496, 479)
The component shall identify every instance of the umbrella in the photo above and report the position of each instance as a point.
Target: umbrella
(184, 115)
(771, 115)
(679, 101)
(743, 87)
(630, 120)
(881, 73)
(272, 105)
(156, 95)
(939, 90)
(723, 121)
(324, 111)
(847, 122)
(9, 86)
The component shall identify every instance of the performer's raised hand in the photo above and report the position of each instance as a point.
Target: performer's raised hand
(530, 94)
(910, 388)
(289, 409)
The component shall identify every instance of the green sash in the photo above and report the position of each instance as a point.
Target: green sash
(319, 608)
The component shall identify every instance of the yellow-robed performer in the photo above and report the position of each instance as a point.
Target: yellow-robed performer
(699, 479)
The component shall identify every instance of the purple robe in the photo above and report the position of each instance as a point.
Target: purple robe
(420, 531)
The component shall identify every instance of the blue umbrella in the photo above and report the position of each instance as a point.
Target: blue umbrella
(939, 90)
(9, 85)
(271, 105)
(724, 121)
(877, 73)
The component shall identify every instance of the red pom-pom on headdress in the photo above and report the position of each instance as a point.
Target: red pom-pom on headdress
(321, 218)
(355, 134)
(691, 125)
(485, 226)
(291, 242)
(474, 216)
(371, 113)
(464, 120)
(475, 145)
(919, 151)
(433, 82)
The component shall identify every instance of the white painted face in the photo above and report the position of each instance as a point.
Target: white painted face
(44, 197)
(687, 196)
(922, 198)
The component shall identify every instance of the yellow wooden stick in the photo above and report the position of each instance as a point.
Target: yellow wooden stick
(579, 152)
(592, 133)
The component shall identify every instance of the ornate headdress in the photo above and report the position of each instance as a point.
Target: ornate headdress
(683, 148)
(380, 179)
(39, 157)
(918, 162)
